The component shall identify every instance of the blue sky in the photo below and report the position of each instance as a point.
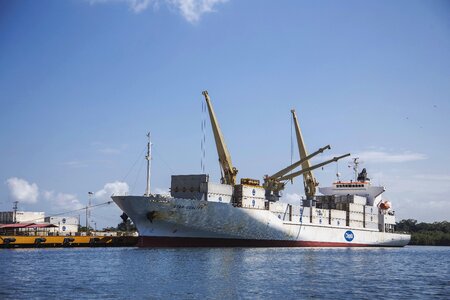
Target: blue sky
(81, 82)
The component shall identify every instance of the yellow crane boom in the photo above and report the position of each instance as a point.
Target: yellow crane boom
(298, 163)
(309, 181)
(309, 169)
(228, 171)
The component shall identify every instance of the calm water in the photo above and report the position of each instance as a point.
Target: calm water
(132, 273)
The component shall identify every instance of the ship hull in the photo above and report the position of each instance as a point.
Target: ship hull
(173, 222)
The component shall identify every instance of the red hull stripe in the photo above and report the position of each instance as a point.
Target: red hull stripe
(154, 241)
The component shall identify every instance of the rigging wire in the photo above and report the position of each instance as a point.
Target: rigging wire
(203, 139)
(160, 157)
(73, 211)
(292, 147)
(137, 177)
(292, 144)
(132, 167)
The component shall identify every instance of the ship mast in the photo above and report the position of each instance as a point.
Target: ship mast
(148, 157)
(228, 171)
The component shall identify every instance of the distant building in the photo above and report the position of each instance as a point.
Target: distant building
(8, 217)
(66, 225)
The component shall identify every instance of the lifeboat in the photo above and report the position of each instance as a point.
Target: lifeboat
(385, 205)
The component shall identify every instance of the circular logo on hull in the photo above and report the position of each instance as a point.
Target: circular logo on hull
(349, 236)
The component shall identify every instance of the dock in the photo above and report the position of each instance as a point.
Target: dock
(66, 241)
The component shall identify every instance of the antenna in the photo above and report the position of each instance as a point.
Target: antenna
(355, 167)
(338, 175)
(88, 212)
(15, 211)
(148, 157)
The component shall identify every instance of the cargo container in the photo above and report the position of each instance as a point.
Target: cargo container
(278, 207)
(354, 216)
(217, 192)
(251, 191)
(253, 203)
(339, 214)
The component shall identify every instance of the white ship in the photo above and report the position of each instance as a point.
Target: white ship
(199, 213)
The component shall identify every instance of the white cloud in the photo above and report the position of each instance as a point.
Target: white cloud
(291, 198)
(161, 191)
(191, 10)
(22, 191)
(75, 164)
(136, 6)
(112, 188)
(103, 148)
(382, 156)
(433, 177)
(63, 201)
(376, 156)
(109, 151)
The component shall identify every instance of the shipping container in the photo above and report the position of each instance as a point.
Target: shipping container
(371, 218)
(354, 216)
(355, 199)
(296, 210)
(320, 220)
(339, 214)
(352, 207)
(369, 209)
(338, 222)
(278, 207)
(188, 186)
(253, 203)
(217, 192)
(356, 224)
(242, 190)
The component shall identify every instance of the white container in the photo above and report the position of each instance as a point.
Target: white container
(59, 220)
(338, 222)
(354, 216)
(253, 203)
(371, 218)
(280, 207)
(320, 220)
(369, 209)
(339, 214)
(296, 210)
(359, 200)
(322, 213)
(250, 191)
(356, 224)
(352, 207)
(219, 198)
